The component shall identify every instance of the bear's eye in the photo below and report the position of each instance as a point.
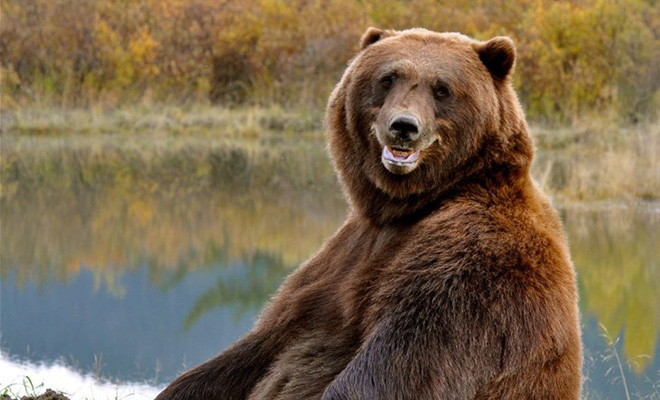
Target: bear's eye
(387, 80)
(441, 90)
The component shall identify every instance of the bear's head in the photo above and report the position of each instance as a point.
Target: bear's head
(417, 113)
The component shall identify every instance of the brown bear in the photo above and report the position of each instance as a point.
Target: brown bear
(451, 277)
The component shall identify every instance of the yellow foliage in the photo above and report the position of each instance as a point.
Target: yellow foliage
(616, 253)
(576, 58)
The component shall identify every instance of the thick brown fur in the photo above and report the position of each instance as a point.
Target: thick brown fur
(450, 279)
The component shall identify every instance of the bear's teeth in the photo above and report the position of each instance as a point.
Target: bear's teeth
(402, 154)
(400, 157)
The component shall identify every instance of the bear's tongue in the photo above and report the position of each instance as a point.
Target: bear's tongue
(400, 155)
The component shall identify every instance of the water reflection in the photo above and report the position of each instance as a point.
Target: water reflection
(107, 211)
(247, 290)
(616, 253)
(159, 258)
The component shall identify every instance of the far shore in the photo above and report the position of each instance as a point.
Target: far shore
(593, 161)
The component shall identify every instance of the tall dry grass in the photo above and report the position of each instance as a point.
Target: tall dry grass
(598, 163)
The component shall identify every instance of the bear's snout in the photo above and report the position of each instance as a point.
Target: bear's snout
(404, 128)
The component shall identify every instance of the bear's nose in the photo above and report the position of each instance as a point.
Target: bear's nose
(405, 127)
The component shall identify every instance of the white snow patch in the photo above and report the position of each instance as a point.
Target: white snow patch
(14, 378)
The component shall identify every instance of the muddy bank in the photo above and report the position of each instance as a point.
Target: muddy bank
(48, 395)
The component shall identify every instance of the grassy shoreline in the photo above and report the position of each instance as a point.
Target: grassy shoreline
(590, 162)
(177, 120)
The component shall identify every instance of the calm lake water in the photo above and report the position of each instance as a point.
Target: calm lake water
(136, 258)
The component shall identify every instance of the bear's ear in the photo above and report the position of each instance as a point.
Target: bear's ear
(498, 55)
(372, 35)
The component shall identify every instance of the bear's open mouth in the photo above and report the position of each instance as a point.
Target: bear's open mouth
(400, 156)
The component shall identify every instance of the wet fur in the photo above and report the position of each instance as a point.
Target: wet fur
(451, 282)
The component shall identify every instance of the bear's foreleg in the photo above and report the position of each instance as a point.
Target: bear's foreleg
(229, 376)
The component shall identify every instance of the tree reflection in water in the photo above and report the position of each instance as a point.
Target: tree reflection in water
(255, 211)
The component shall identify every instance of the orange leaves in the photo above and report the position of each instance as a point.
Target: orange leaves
(578, 59)
(574, 57)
